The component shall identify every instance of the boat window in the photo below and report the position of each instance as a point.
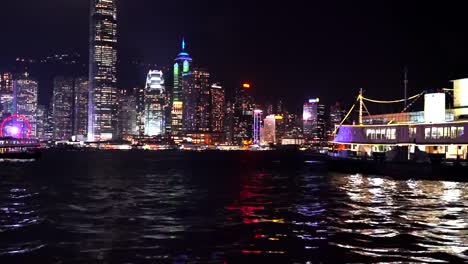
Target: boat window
(412, 131)
(460, 131)
(427, 133)
(446, 132)
(453, 132)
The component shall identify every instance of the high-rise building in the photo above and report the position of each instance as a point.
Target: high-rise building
(127, 114)
(102, 70)
(155, 96)
(229, 123)
(6, 94)
(197, 101)
(336, 116)
(257, 126)
(62, 108)
(80, 115)
(25, 99)
(314, 120)
(139, 94)
(269, 130)
(41, 120)
(181, 67)
(217, 108)
(243, 116)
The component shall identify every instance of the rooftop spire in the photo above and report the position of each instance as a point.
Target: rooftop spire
(183, 43)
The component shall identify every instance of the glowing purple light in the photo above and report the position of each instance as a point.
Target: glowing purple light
(14, 131)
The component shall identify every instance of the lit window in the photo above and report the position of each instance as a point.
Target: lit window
(427, 133)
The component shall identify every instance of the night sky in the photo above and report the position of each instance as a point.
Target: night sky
(293, 50)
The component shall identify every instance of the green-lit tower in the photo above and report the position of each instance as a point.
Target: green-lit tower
(181, 67)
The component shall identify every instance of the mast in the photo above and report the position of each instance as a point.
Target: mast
(405, 84)
(360, 106)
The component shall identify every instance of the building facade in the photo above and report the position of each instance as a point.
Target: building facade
(127, 114)
(314, 120)
(217, 108)
(197, 101)
(102, 70)
(6, 94)
(80, 115)
(155, 96)
(181, 68)
(25, 99)
(62, 108)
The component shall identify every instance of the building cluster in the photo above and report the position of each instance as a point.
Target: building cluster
(182, 105)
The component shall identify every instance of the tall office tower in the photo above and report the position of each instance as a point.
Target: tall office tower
(293, 125)
(139, 94)
(243, 116)
(229, 123)
(80, 115)
(280, 128)
(320, 128)
(6, 94)
(217, 108)
(155, 96)
(62, 108)
(127, 114)
(257, 125)
(336, 116)
(49, 122)
(102, 70)
(269, 130)
(197, 101)
(41, 120)
(309, 117)
(314, 120)
(25, 99)
(181, 67)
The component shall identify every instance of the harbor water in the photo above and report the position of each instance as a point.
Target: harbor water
(221, 207)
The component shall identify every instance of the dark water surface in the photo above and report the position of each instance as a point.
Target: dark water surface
(143, 207)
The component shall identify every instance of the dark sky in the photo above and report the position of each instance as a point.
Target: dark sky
(293, 49)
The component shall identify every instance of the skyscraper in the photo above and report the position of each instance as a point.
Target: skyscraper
(243, 116)
(127, 114)
(6, 94)
(314, 120)
(217, 108)
(181, 67)
(62, 108)
(102, 70)
(139, 94)
(41, 120)
(155, 96)
(257, 125)
(269, 130)
(80, 116)
(197, 101)
(25, 99)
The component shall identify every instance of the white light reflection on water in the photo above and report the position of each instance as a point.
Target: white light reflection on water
(403, 213)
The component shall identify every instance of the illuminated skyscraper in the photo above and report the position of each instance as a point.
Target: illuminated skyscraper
(62, 108)
(6, 94)
(25, 99)
(197, 101)
(181, 67)
(257, 125)
(243, 116)
(102, 70)
(314, 120)
(139, 93)
(80, 116)
(217, 108)
(41, 120)
(269, 130)
(155, 96)
(127, 114)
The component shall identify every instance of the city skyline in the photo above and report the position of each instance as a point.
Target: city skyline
(251, 52)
